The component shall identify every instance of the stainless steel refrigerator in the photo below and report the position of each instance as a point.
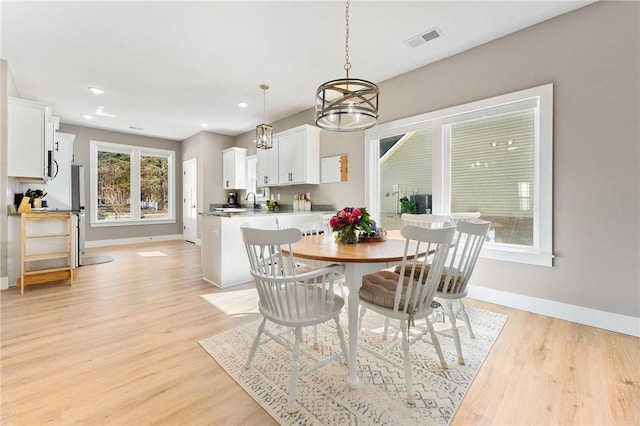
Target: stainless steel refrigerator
(78, 205)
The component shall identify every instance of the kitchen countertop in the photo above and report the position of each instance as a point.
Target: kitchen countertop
(262, 212)
(244, 210)
(45, 211)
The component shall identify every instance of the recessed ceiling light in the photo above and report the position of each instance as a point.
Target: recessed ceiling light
(96, 90)
(204, 124)
(243, 104)
(87, 116)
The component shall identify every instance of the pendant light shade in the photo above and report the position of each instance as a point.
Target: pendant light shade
(264, 132)
(348, 104)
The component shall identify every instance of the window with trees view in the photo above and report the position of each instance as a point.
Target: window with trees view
(131, 184)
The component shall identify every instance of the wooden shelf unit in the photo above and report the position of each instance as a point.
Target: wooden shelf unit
(52, 273)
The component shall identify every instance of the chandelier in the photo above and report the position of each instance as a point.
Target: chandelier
(264, 131)
(347, 104)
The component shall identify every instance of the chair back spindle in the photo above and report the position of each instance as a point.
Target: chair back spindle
(469, 240)
(423, 273)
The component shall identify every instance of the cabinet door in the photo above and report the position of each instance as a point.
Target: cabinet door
(299, 153)
(268, 165)
(25, 148)
(227, 169)
(234, 168)
(292, 158)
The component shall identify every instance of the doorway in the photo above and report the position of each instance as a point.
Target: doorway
(190, 200)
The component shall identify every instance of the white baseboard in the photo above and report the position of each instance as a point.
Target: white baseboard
(606, 320)
(137, 240)
(4, 283)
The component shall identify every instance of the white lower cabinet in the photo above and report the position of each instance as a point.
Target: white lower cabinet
(224, 258)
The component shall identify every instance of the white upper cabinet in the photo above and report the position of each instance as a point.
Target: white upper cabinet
(234, 168)
(31, 137)
(293, 160)
(268, 165)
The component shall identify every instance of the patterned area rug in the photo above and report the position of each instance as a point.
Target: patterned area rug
(325, 398)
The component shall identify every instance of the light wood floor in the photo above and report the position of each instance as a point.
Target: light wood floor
(120, 347)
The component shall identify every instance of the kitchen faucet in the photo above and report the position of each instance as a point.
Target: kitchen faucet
(255, 206)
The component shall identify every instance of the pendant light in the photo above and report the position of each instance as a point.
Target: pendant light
(347, 104)
(264, 131)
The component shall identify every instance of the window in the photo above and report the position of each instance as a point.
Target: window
(131, 185)
(262, 192)
(493, 157)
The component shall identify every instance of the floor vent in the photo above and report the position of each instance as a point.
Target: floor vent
(421, 39)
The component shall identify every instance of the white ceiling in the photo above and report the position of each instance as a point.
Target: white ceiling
(168, 66)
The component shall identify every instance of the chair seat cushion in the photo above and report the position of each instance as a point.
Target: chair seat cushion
(443, 277)
(302, 268)
(379, 288)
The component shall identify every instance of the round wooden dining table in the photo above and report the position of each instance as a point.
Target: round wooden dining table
(358, 260)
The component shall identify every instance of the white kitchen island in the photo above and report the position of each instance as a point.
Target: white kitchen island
(224, 259)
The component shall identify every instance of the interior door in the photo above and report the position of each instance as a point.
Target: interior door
(190, 200)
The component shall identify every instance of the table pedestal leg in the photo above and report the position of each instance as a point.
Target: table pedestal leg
(353, 274)
(353, 305)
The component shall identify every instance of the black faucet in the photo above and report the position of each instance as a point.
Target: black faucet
(255, 206)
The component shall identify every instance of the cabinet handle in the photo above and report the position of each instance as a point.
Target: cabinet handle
(266, 179)
(290, 176)
(227, 184)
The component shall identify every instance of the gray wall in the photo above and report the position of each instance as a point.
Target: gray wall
(206, 148)
(592, 56)
(81, 153)
(4, 73)
(341, 194)
(596, 145)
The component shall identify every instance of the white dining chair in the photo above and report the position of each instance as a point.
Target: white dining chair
(422, 220)
(464, 216)
(291, 300)
(407, 295)
(426, 220)
(309, 224)
(470, 237)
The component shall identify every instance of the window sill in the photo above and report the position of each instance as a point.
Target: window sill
(517, 255)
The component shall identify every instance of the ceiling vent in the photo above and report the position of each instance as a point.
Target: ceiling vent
(421, 39)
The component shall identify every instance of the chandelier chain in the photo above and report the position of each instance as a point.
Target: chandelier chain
(347, 64)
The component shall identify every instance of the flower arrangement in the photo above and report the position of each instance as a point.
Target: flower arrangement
(348, 223)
